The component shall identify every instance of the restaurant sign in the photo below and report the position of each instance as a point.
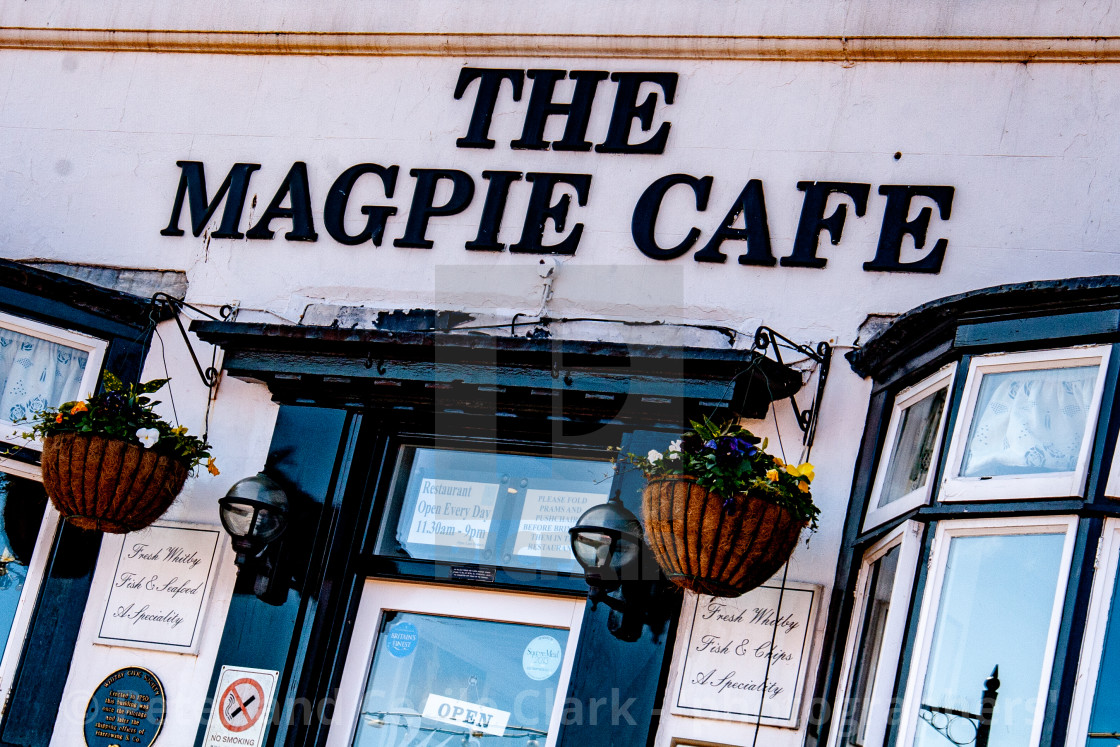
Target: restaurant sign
(747, 654)
(161, 583)
(551, 224)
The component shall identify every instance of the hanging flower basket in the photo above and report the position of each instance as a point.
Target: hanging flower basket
(107, 484)
(704, 547)
(721, 515)
(110, 463)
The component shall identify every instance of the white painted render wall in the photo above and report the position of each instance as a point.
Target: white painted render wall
(88, 175)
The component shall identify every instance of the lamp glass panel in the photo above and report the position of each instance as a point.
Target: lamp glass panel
(996, 603)
(237, 518)
(439, 680)
(491, 508)
(269, 524)
(593, 549)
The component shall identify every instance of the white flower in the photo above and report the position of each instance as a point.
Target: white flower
(675, 447)
(654, 455)
(673, 455)
(147, 436)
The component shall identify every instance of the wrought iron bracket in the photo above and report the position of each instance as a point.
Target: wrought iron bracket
(767, 339)
(161, 300)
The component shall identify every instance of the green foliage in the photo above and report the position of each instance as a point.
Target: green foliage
(124, 412)
(731, 461)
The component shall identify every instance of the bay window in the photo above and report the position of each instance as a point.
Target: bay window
(997, 645)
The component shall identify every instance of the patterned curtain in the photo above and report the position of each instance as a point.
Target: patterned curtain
(36, 373)
(1029, 422)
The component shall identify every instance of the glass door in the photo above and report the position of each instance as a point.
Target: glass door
(435, 666)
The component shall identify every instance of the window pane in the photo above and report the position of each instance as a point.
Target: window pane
(866, 657)
(913, 448)
(1106, 702)
(434, 679)
(36, 374)
(22, 503)
(1029, 422)
(995, 609)
(511, 510)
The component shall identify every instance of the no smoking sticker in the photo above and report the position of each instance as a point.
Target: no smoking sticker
(241, 706)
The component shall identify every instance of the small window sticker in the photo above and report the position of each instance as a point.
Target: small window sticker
(401, 639)
(542, 657)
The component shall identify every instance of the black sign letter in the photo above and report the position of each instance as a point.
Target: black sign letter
(755, 231)
(492, 210)
(627, 109)
(812, 220)
(295, 187)
(541, 107)
(422, 209)
(192, 185)
(541, 209)
(643, 225)
(488, 88)
(895, 226)
(334, 211)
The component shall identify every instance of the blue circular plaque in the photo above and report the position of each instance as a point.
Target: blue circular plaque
(401, 639)
(127, 708)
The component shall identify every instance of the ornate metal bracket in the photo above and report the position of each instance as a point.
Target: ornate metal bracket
(766, 338)
(160, 300)
(978, 725)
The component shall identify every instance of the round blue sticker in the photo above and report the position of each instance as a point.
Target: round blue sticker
(401, 639)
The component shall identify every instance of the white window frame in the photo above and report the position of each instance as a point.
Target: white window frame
(1112, 487)
(1096, 625)
(93, 346)
(1013, 487)
(379, 596)
(32, 584)
(946, 532)
(907, 537)
(905, 399)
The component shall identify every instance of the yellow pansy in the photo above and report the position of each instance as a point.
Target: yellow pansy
(78, 407)
(211, 467)
(772, 475)
(805, 471)
(803, 487)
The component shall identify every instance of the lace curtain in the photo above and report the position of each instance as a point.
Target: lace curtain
(1029, 422)
(36, 373)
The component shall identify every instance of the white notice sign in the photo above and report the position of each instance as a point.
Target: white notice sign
(724, 674)
(159, 588)
(472, 716)
(453, 513)
(239, 712)
(546, 519)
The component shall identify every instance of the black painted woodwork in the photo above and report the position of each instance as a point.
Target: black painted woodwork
(1025, 316)
(124, 321)
(617, 688)
(422, 371)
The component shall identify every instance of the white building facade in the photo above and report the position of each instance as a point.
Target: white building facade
(472, 247)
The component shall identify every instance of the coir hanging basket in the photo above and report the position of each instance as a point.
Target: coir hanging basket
(108, 484)
(706, 548)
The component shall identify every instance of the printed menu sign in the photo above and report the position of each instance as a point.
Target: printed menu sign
(159, 588)
(453, 513)
(729, 645)
(546, 518)
(127, 708)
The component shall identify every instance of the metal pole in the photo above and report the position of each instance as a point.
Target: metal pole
(987, 705)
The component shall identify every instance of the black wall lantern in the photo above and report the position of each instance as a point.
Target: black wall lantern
(255, 513)
(607, 542)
